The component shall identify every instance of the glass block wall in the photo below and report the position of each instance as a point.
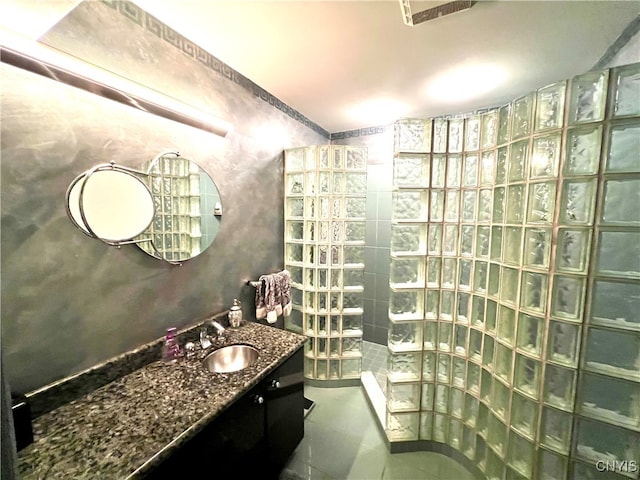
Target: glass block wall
(325, 201)
(515, 282)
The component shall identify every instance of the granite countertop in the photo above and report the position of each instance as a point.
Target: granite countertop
(128, 426)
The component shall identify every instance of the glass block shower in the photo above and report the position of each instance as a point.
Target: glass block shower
(325, 198)
(515, 282)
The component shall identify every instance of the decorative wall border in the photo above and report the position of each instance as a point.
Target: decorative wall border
(162, 31)
(627, 34)
(360, 132)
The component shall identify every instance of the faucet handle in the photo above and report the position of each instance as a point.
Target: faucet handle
(205, 339)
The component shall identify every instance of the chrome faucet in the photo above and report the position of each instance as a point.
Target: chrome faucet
(219, 330)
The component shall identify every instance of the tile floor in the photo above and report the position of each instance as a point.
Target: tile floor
(374, 359)
(343, 441)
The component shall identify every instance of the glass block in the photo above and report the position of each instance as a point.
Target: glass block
(468, 446)
(402, 426)
(533, 295)
(311, 183)
(624, 145)
(469, 205)
(470, 172)
(405, 336)
(527, 375)
(440, 428)
(460, 340)
(512, 245)
(488, 352)
(441, 401)
(620, 205)
(432, 307)
(472, 137)
(545, 157)
(464, 274)
(588, 94)
(294, 159)
(500, 400)
(485, 386)
(559, 386)
(356, 158)
(598, 441)
(497, 437)
(550, 106)
(350, 346)
(623, 360)
(295, 207)
(403, 397)
(506, 325)
(515, 204)
(518, 161)
(542, 197)
(509, 286)
(610, 400)
(438, 171)
(452, 206)
(504, 357)
(407, 272)
(445, 337)
(405, 238)
(355, 231)
(484, 205)
(351, 368)
(411, 171)
(430, 335)
(355, 183)
(573, 250)
(619, 253)
(477, 311)
(555, 430)
(489, 129)
(436, 210)
(521, 454)
(498, 205)
(603, 471)
(494, 280)
(406, 206)
(412, 135)
(294, 252)
(495, 468)
(295, 183)
(454, 170)
(480, 275)
(406, 305)
(337, 182)
(404, 366)
(449, 270)
(552, 466)
(471, 406)
(496, 243)
(295, 230)
(616, 304)
(491, 316)
(482, 241)
(426, 425)
(504, 121)
(473, 378)
(467, 236)
(583, 150)
(440, 131)
(458, 372)
(433, 272)
(483, 419)
(578, 201)
(450, 240)
(522, 109)
(567, 298)
(475, 345)
(524, 415)
(456, 138)
(530, 330)
(355, 207)
(626, 99)
(537, 247)
(428, 394)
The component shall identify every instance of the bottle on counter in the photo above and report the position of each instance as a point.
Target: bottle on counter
(171, 349)
(235, 314)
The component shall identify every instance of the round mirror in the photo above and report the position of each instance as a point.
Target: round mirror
(110, 203)
(188, 209)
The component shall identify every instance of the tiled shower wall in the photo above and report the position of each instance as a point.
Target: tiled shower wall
(515, 278)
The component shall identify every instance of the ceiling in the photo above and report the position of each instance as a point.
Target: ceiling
(353, 64)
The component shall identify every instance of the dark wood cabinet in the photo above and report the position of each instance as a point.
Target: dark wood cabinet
(255, 435)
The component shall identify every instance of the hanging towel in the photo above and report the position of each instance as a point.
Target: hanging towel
(273, 296)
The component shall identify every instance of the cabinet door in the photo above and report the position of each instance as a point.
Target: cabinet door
(232, 444)
(284, 409)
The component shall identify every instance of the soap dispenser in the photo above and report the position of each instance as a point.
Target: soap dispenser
(171, 351)
(235, 314)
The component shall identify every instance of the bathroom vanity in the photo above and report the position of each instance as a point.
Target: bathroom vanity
(179, 419)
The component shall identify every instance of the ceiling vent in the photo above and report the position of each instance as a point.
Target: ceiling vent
(433, 13)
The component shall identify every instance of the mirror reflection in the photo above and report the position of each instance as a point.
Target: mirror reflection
(188, 209)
